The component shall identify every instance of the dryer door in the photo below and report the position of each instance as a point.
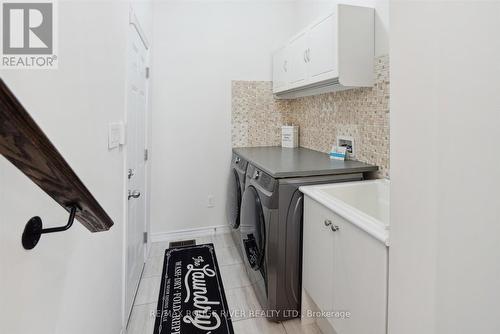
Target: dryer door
(253, 228)
(293, 253)
(233, 203)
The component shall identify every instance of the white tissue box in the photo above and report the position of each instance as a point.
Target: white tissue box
(290, 136)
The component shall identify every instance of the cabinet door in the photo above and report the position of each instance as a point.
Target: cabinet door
(359, 280)
(297, 73)
(280, 69)
(317, 268)
(322, 49)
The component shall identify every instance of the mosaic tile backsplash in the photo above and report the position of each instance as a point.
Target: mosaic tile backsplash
(359, 113)
(256, 116)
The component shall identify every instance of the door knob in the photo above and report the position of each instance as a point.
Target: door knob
(134, 194)
(328, 222)
(130, 173)
(335, 228)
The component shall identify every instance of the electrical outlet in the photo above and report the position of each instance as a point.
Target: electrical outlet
(211, 201)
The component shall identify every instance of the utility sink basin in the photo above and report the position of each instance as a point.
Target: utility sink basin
(363, 203)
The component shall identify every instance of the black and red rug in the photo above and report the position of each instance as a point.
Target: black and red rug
(192, 298)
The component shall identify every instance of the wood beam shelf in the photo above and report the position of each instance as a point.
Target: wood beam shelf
(26, 146)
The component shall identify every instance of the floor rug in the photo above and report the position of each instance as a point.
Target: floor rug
(192, 298)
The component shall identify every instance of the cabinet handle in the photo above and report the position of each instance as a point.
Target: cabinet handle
(284, 65)
(305, 56)
(308, 54)
(328, 222)
(335, 228)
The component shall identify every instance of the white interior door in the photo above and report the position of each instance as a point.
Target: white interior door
(136, 145)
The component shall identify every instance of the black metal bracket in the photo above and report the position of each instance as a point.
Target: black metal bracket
(34, 229)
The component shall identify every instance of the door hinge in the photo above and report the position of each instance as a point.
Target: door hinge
(145, 237)
(146, 154)
(147, 72)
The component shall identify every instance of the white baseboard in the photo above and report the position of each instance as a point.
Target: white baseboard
(190, 233)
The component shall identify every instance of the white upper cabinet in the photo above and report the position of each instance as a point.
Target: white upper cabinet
(298, 61)
(280, 68)
(322, 49)
(335, 52)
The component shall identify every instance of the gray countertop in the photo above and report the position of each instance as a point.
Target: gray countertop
(282, 162)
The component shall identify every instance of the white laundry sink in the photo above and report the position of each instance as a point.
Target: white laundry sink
(364, 204)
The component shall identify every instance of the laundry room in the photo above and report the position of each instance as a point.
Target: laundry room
(249, 166)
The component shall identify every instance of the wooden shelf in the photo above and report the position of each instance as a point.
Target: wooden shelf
(27, 147)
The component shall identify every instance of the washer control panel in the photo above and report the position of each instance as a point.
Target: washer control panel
(261, 178)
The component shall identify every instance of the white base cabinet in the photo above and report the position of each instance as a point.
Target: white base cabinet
(335, 52)
(344, 271)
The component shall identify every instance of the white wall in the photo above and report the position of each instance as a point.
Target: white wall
(199, 48)
(309, 10)
(445, 212)
(72, 281)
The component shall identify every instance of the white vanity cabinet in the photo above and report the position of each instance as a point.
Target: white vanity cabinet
(318, 255)
(344, 269)
(335, 52)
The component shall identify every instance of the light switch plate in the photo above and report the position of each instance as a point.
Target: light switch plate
(116, 135)
(211, 201)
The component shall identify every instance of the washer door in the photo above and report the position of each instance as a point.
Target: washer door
(253, 228)
(233, 203)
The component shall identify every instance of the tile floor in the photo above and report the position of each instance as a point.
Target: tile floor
(237, 285)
